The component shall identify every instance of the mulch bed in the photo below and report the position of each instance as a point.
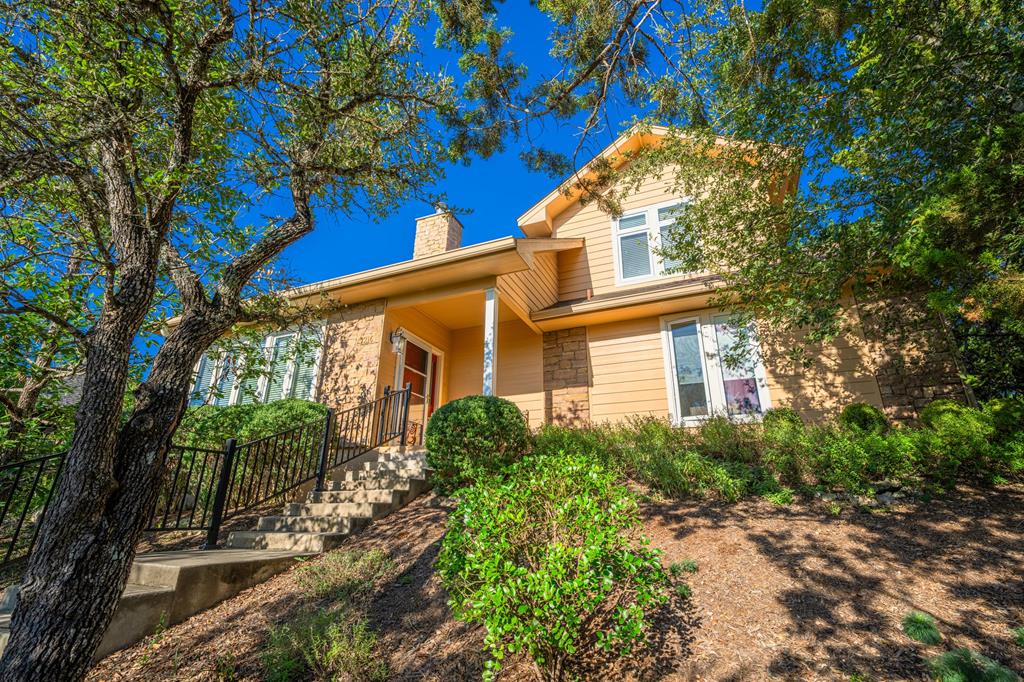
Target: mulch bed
(787, 593)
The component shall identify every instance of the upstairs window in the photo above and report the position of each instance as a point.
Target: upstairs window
(639, 238)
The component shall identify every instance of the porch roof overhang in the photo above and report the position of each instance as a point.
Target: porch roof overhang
(661, 299)
(451, 269)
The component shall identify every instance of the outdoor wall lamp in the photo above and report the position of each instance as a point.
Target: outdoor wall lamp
(397, 339)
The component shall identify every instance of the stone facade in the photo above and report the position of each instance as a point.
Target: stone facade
(350, 363)
(436, 233)
(567, 377)
(914, 360)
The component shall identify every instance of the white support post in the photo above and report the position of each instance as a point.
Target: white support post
(490, 341)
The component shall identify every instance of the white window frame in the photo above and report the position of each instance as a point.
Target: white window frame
(654, 245)
(714, 384)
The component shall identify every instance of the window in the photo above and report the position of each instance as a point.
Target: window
(639, 237)
(290, 373)
(701, 383)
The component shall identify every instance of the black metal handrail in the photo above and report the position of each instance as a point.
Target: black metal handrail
(204, 486)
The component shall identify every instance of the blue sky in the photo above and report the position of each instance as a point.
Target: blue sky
(497, 189)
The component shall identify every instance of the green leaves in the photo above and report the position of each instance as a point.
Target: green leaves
(548, 560)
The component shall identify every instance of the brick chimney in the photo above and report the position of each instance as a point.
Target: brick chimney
(436, 233)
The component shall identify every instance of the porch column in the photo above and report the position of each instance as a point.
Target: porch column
(490, 341)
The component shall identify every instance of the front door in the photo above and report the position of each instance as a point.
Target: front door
(420, 370)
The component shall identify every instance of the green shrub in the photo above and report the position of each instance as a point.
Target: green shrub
(684, 590)
(473, 437)
(966, 435)
(723, 438)
(342, 575)
(209, 425)
(865, 418)
(781, 417)
(549, 561)
(679, 567)
(551, 439)
(1018, 636)
(920, 627)
(964, 665)
(325, 644)
(1007, 416)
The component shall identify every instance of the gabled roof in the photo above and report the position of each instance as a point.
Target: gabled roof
(538, 220)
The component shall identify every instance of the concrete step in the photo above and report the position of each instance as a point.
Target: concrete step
(370, 510)
(313, 543)
(384, 475)
(382, 496)
(321, 523)
(169, 587)
(370, 482)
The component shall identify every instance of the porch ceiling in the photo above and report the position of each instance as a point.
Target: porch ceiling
(463, 311)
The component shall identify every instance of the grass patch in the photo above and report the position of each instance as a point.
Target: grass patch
(342, 575)
(684, 590)
(1018, 636)
(964, 665)
(920, 627)
(678, 568)
(327, 644)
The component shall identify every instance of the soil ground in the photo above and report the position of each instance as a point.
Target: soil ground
(787, 593)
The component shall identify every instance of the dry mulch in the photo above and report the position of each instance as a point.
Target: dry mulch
(787, 593)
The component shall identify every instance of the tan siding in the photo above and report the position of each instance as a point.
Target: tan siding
(533, 289)
(593, 266)
(520, 366)
(627, 370)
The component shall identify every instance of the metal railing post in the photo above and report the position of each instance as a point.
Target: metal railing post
(382, 417)
(405, 412)
(220, 496)
(321, 466)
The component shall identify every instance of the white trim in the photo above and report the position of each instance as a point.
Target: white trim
(653, 227)
(711, 368)
(490, 368)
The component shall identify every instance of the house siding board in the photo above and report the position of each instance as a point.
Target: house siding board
(534, 289)
(628, 370)
(520, 367)
(350, 364)
(593, 266)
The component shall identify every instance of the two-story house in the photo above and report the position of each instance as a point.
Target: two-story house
(579, 320)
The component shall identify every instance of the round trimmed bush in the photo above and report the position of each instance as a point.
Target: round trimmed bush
(945, 414)
(781, 416)
(474, 437)
(865, 418)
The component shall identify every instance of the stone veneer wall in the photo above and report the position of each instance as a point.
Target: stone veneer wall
(350, 362)
(914, 357)
(566, 377)
(436, 234)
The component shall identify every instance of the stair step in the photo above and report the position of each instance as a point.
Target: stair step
(369, 510)
(319, 523)
(380, 474)
(371, 496)
(293, 542)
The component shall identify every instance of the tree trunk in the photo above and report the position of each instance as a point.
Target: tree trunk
(85, 550)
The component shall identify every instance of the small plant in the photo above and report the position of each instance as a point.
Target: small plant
(327, 644)
(920, 627)
(1018, 636)
(224, 668)
(865, 418)
(473, 437)
(678, 568)
(684, 591)
(781, 497)
(341, 575)
(964, 665)
(834, 508)
(781, 417)
(548, 560)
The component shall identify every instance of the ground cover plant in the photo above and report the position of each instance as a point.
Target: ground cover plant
(547, 558)
(859, 454)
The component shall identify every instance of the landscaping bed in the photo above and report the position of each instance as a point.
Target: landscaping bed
(781, 592)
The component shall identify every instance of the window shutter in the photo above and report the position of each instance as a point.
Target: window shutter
(635, 255)
(204, 376)
(305, 369)
(278, 368)
(225, 382)
(248, 391)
